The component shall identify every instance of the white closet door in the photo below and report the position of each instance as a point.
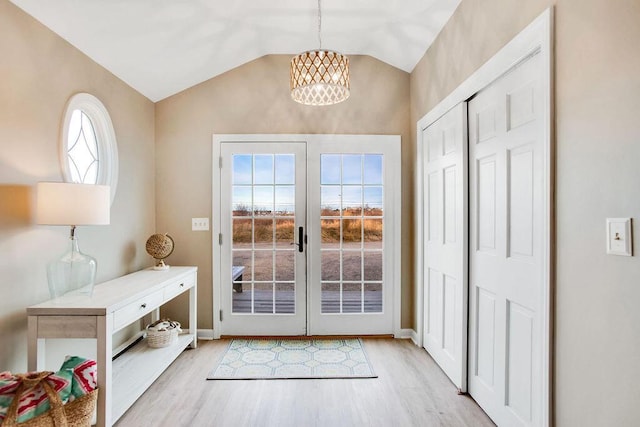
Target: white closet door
(445, 243)
(506, 276)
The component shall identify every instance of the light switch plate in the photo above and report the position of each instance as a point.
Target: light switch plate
(619, 236)
(199, 224)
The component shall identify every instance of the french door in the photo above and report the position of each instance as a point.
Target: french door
(354, 260)
(263, 264)
(306, 236)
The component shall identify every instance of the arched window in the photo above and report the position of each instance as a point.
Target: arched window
(88, 149)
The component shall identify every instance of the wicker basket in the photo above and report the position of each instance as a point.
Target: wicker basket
(76, 413)
(163, 333)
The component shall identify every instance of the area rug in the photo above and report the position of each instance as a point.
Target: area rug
(293, 359)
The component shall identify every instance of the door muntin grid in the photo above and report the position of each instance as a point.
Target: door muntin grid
(263, 229)
(351, 224)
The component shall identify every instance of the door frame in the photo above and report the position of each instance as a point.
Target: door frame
(536, 38)
(394, 229)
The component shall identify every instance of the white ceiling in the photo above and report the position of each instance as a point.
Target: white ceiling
(161, 47)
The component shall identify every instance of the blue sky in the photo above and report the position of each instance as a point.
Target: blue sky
(353, 179)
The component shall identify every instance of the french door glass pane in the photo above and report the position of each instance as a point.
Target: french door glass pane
(263, 260)
(351, 200)
(263, 169)
(351, 233)
(331, 169)
(263, 200)
(352, 298)
(284, 270)
(285, 169)
(285, 233)
(372, 169)
(330, 200)
(242, 169)
(285, 303)
(351, 169)
(263, 298)
(263, 253)
(373, 233)
(331, 297)
(351, 265)
(352, 217)
(285, 195)
(373, 297)
(373, 201)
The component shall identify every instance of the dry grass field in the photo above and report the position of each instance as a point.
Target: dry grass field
(357, 225)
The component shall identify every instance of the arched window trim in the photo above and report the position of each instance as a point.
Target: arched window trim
(105, 136)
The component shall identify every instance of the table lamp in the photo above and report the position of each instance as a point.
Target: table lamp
(72, 205)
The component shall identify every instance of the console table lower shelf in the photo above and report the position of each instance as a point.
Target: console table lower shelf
(114, 305)
(137, 368)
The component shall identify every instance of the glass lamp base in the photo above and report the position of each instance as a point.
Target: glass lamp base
(73, 272)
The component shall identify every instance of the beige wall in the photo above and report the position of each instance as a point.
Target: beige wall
(254, 98)
(597, 321)
(597, 326)
(38, 73)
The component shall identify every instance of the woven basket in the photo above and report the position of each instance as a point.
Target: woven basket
(74, 414)
(164, 337)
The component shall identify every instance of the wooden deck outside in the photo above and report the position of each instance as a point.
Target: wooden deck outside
(284, 301)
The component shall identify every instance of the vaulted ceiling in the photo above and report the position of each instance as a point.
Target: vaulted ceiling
(161, 47)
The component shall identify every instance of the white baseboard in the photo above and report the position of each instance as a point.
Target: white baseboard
(414, 337)
(408, 334)
(205, 334)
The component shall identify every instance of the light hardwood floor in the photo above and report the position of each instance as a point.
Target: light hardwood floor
(410, 391)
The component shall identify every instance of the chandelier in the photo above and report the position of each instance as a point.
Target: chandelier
(319, 77)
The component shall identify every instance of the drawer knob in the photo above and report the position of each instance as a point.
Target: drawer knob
(182, 285)
(144, 305)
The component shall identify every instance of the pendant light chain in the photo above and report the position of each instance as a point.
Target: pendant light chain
(319, 25)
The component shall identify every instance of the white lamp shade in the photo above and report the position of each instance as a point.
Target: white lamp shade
(73, 204)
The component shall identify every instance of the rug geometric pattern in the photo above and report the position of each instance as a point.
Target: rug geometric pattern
(293, 359)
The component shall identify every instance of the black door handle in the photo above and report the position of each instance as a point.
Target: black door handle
(300, 239)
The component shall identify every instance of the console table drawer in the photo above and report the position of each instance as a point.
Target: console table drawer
(178, 287)
(137, 309)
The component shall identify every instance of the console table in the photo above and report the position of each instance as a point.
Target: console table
(114, 305)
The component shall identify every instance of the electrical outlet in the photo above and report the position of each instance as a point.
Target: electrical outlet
(199, 224)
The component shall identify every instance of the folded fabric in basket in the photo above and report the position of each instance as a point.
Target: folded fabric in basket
(34, 401)
(84, 375)
(76, 377)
